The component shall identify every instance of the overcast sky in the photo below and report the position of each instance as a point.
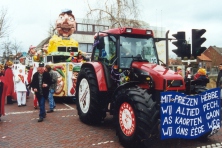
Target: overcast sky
(30, 19)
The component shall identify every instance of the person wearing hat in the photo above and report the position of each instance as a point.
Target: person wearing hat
(75, 73)
(9, 82)
(52, 87)
(202, 76)
(80, 58)
(40, 84)
(179, 71)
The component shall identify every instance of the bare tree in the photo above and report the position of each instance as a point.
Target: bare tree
(15, 46)
(116, 12)
(4, 23)
(6, 49)
(51, 30)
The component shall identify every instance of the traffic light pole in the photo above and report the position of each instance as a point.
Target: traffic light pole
(167, 48)
(189, 61)
(188, 78)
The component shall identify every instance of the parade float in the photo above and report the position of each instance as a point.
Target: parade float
(62, 54)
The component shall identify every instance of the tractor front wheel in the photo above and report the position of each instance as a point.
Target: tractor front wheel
(135, 117)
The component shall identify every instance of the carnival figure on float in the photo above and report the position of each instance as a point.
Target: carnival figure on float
(65, 27)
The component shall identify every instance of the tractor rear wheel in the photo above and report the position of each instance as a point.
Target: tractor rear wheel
(87, 97)
(135, 117)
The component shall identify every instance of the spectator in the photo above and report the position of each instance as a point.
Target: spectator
(9, 82)
(3, 88)
(202, 76)
(40, 84)
(52, 87)
(20, 87)
(179, 71)
(219, 80)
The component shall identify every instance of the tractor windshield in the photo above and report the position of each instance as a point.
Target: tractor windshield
(137, 48)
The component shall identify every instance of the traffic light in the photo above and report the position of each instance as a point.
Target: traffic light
(187, 51)
(182, 48)
(197, 50)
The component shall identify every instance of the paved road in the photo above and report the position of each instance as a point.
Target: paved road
(62, 128)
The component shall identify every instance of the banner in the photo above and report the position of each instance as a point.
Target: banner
(189, 117)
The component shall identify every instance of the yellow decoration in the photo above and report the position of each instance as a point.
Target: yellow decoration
(57, 41)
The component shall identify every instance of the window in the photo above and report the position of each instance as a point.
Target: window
(89, 47)
(90, 28)
(85, 47)
(81, 27)
(99, 28)
(136, 49)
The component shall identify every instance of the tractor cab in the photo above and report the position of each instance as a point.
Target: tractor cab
(124, 48)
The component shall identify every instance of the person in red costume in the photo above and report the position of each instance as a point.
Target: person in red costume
(9, 82)
(29, 79)
(3, 88)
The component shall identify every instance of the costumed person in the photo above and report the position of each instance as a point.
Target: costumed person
(20, 87)
(201, 73)
(26, 83)
(65, 27)
(3, 88)
(202, 76)
(52, 87)
(9, 82)
(80, 58)
(179, 71)
(40, 84)
(75, 73)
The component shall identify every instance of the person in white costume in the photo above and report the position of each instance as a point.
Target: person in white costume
(20, 88)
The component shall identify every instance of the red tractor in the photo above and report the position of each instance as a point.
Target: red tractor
(125, 78)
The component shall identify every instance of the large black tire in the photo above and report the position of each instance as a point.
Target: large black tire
(135, 117)
(87, 97)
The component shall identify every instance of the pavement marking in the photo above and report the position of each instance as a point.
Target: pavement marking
(69, 106)
(29, 112)
(216, 145)
(106, 142)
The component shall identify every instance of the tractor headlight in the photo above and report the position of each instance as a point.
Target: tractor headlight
(128, 30)
(148, 32)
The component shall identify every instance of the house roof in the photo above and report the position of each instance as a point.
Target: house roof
(218, 49)
(202, 57)
(40, 45)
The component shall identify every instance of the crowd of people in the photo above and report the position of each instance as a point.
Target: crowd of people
(16, 87)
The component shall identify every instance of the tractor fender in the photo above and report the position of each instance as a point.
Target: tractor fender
(125, 85)
(99, 71)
